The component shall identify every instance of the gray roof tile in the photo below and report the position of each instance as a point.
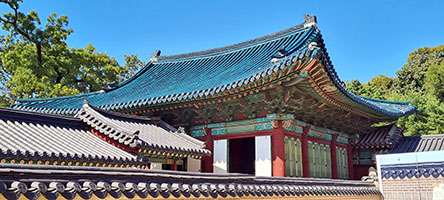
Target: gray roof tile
(142, 132)
(420, 144)
(27, 135)
(380, 137)
(87, 182)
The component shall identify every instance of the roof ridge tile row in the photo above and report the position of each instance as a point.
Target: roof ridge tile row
(127, 183)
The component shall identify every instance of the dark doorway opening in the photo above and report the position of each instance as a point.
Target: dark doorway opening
(242, 155)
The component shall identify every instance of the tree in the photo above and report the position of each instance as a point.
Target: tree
(378, 87)
(419, 81)
(355, 87)
(434, 80)
(411, 76)
(36, 61)
(132, 64)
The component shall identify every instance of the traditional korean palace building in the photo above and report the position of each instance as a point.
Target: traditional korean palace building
(271, 106)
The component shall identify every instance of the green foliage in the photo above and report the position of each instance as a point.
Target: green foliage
(419, 81)
(377, 88)
(412, 75)
(356, 87)
(36, 61)
(434, 81)
(430, 116)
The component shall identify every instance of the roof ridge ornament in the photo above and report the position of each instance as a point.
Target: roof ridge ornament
(85, 103)
(312, 46)
(310, 20)
(180, 129)
(155, 55)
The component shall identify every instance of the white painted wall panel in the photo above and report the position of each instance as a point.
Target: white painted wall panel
(193, 165)
(263, 155)
(220, 161)
(156, 166)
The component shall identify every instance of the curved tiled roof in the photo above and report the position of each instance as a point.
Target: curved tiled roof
(103, 183)
(141, 132)
(208, 73)
(419, 143)
(384, 136)
(42, 137)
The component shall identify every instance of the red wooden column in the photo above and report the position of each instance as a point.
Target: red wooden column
(305, 160)
(207, 161)
(278, 150)
(174, 165)
(334, 165)
(350, 162)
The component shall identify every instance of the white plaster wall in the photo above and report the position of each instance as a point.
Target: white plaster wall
(157, 166)
(220, 161)
(263, 155)
(193, 165)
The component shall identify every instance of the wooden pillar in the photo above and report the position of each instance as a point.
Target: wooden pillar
(278, 150)
(350, 162)
(174, 165)
(207, 161)
(334, 165)
(305, 160)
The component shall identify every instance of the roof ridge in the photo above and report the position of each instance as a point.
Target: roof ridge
(55, 98)
(430, 136)
(42, 116)
(169, 174)
(101, 123)
(117, 114)
(208, 52)
(190, 139)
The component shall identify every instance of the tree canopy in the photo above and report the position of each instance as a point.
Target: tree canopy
(36, 61)
(420, 81)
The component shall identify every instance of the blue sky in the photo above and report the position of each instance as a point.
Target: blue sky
(363, 38)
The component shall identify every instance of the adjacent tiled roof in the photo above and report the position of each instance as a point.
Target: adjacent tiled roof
(209, 73)
(42, 137)
(384, 136)
(141, 132)
(420, 144)
(91, 182)
(417, 170)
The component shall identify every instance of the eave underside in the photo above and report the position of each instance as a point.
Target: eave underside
(303, 89)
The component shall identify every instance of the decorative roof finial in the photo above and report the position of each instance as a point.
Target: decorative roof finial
(310, 20)
(155, 55)
(85, 103)
(181, 129)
